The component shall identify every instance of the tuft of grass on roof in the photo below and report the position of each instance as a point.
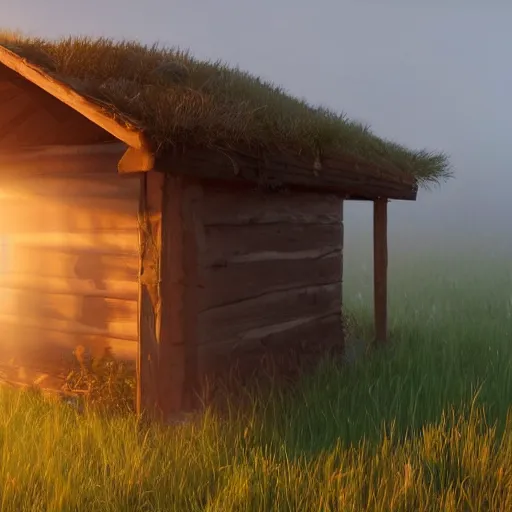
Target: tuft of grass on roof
(176, 98)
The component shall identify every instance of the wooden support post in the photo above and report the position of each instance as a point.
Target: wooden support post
(342, 257)
(380, 268)
(170, 223)
(181, 241)
(150, 238)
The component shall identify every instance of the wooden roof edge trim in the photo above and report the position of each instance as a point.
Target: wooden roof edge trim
(412, 196)
(236, 157)
(67, 95)
(347, 181)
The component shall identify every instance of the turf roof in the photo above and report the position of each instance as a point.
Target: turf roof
(175, 98)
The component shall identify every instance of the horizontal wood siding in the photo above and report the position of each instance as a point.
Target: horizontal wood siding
(234, 282)
(68, 265)
(223, 207)
(271, 272)
(29, 116)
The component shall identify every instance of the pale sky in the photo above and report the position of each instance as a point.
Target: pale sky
(422, 73)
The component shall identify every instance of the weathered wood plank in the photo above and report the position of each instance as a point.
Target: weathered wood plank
(272, 271)
(324, 331)
(31, 346)
(61, 160)
(75, 185)
(235, 282)
(19, 104)
(226, 207)
(126, 290)
(170, 218)
(42, 127)
(239, 323)
(103, 242)
(150, 243)
(88, 310)
(8, 91)
(61, 264)
(308, 335)
(182, 246)
(69, 256)
(99, 314)
(33, 214)
(50, 121)
(118, 329)
(24, 116)
(380, 265)
(265, 242)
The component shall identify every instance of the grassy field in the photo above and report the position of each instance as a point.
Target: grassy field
(423, 427)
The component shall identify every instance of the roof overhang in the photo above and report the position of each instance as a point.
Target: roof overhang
(349, 178)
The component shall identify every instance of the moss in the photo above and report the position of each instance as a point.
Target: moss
(177, 99)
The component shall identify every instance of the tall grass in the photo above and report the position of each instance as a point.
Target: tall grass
(423, 426)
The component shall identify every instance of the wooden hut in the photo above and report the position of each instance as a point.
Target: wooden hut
(175, 212)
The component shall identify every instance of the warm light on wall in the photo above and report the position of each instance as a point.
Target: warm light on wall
(4, 253)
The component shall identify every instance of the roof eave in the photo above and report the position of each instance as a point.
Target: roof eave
(281, 171)
(349, 179)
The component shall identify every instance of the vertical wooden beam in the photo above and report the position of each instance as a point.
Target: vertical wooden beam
(170, 230)
(150, 235)
(182, 228)
(380, 268)
(342, 257)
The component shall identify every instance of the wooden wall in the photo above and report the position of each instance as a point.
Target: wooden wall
(271, 266)
(68, 260)
(30, 116)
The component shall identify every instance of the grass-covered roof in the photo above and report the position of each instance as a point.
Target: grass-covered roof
(176, 99)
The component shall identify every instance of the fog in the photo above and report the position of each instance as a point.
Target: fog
(432, 76)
